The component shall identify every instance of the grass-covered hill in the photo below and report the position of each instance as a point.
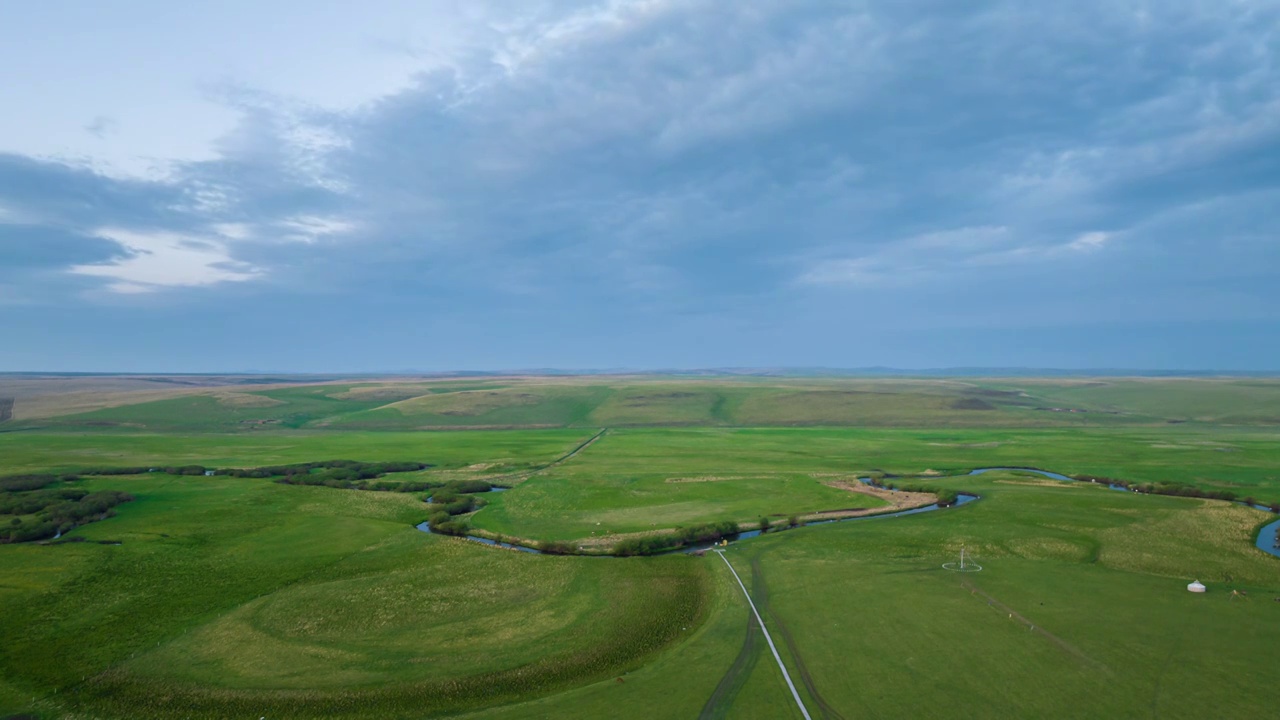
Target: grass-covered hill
(523, 402)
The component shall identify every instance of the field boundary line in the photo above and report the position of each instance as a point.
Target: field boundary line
(1014, 614)
(526, 474)
(773, 648)
(568, 456)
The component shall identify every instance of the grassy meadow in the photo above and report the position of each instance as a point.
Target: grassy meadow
(212, 597)
(237, 596)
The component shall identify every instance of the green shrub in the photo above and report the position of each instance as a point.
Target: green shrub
(652, 544)
(20, 483)
(557, 547)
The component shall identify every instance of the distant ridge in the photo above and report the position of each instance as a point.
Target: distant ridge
(283, 376)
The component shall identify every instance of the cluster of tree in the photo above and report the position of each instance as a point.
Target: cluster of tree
(452, 499)
(766, 524)
(54, 511)
(319, 472)
(1175, 489)
(946, 498)
(652, 544)
(141, 470)
(34, 501)
(345, 479)
(332, 473)
(408, 486)
(352, 468)
(22, 483)
(6, 409)
(349, 474)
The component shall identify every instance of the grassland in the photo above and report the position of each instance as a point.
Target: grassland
(233, 596)
(637, 402)
(495, 451)
(242, 596)
(1080, 611)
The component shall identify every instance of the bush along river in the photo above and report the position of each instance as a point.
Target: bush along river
(1268, 537)
(702, 545)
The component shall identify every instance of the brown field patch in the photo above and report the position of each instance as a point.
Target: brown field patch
(245, 400)
(380, 393)
(466, 403)
(897, 499)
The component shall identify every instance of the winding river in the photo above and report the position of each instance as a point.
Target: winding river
(1267, 541)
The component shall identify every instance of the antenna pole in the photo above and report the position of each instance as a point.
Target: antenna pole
(961, 557)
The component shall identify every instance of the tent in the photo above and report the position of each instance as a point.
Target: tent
(1196, 587)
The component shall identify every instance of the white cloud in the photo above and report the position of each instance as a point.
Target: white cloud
(309, 228)
(234, 231)
(148, 69)
(932, 255)
(158, 260)
(1089, 241)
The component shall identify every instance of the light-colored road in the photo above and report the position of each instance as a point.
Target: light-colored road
(786, 676)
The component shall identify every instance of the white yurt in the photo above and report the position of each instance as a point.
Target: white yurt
(1196, 587)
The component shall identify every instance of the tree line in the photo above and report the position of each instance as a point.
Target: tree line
(1177, 490)
(38, 510)
(653, 544)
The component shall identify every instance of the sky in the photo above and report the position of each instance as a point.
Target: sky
(398, 185)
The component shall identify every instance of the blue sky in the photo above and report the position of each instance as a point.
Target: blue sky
(389, 185)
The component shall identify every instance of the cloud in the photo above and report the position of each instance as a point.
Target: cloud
(939, 255)
(153, 261)
(102, 126)
(1090, 241)
(664, 159)
(310, 228)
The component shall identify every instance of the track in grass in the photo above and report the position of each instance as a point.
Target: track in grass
(773, 648)
(735, 677)
(761, 591)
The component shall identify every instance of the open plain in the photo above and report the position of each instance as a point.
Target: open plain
(211, 595)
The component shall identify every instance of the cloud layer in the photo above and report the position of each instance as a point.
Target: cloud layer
(654, 183)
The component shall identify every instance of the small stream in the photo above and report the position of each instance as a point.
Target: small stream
(1045, 473)
(1268, 542)
(1268, 538)
(961, 499)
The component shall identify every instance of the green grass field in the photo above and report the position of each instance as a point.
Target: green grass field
(211, 597)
